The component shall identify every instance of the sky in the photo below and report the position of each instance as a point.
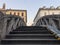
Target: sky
(31, 6)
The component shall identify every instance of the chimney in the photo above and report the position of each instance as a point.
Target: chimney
(3, 6)
(44, 7)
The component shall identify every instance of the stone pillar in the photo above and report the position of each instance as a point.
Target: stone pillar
(49, 21)
(53, 24)
(15, 24)
(10, 25)
(41, 22)
(3, 33)
(46, 21)
(19, 22)
(1, 27)
(59, 23)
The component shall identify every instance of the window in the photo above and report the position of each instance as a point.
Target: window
(14, 13)
(53, 13)
(10, 13)
(59, 12)
(45, 13)
(18, 14)
(22, 14)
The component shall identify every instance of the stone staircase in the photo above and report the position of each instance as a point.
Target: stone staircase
(30, 35)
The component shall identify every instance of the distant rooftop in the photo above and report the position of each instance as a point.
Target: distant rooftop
(45, 8)
(51, 7)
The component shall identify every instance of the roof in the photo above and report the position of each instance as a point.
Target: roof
(15, 10)
(48, 9)
(12, 10)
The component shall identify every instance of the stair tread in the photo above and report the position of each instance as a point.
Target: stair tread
(30, 31)
(31, 34)
(30, 39)
(29, 44)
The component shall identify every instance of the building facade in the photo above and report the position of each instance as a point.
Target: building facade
(21, 13)
(46, 11)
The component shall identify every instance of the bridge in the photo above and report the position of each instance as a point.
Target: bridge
(9, 23)
(52, 22)
(13, 31)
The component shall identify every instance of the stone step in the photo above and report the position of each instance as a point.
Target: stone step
(31, 28)
(29, 32)
(36, 36)
(30, 41)
(31, 35)
(29, 44)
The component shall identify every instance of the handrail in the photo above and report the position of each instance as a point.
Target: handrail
(54, 30)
